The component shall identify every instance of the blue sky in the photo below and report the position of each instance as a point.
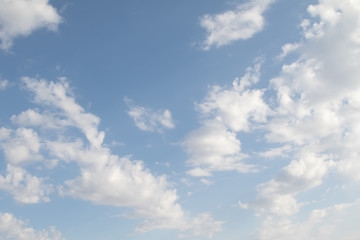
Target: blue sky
(179, 119)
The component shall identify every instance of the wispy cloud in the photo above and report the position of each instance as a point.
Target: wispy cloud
(233, 25)
(149, 120)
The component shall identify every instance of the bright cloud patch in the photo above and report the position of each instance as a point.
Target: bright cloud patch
(22, 17)
(149, 120)
(230, 26)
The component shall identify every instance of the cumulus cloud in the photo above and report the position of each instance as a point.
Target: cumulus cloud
(22, 17)
(277, 197)
(104, 179)
(226, 111)
(214, 148)
(21, 146)
(318, 94)
(242, 23)
(150, 120)
(315, 117)
(237, 107)
(24, 187)
(16, 229)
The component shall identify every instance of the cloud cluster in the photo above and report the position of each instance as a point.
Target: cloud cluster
(104, 178)
(225, 112)
(312, 119)
(315, 118)
(22, 17)
(230, 26)
(13, 228)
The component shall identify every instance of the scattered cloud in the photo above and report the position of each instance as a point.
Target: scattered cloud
(150, 120)
(104, 179)
(24, 187)
(233, 25)
(226, 111)
(314, 119)
(16, 229)
(22, 147)
(22, 17)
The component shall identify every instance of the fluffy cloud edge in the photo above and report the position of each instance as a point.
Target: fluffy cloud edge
(22, 17)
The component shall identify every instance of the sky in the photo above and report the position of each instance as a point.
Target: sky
(235, 120)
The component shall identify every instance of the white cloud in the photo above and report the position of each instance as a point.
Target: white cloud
(214, 146)
(60, 96)
(33, 118)
(288, 48)
(15, 229)
(318, 94)
(277, 197)
(24, 187)
(22, 17)
(236, 109)
(21, 146)
(109, 180)
(149, 120)
(230, 26)
(104, 179)
(316, 118)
